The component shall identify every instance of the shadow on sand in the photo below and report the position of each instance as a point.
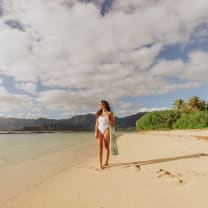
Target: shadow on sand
(161, 160)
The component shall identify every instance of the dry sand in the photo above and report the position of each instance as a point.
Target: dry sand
(161, 169)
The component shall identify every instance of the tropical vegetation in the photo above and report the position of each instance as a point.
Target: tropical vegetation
(192, 114)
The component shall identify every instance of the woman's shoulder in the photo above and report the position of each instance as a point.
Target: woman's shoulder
(107, 113)
(110, 113)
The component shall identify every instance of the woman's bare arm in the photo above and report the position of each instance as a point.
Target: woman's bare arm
(111, 119)
(96, 129)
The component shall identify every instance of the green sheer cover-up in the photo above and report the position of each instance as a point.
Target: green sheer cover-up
(113, 143)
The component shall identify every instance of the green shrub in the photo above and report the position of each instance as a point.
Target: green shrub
(192, 121)
(157, 120)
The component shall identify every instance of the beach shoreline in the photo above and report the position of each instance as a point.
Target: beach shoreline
(17, 178)
(153, 169)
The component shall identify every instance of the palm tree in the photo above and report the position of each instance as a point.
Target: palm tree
(196, 104)
(179, 105)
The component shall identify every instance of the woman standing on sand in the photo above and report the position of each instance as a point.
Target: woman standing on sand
(104, 118)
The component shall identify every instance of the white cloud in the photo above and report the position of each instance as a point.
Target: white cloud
(1, 81)
(126, 105)
(73, 101)
(11, 103)
(27, 87)
(69, 44)
(153, 109)
(193, 70)
(122, 113)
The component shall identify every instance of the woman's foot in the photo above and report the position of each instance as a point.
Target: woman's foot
(100, 168)
(106, 164)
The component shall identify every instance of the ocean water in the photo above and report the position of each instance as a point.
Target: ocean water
(27, 160)
(18, 148)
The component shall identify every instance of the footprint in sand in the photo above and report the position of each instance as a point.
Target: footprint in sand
(161, 173)
(133, 167)
(138, 167)
(126, 166)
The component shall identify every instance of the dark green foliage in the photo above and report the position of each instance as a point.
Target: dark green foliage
(192, 114)
(194, 104)
(157, 120)
(179, 105)
(192, 121)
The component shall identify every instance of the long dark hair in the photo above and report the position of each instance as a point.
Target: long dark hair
(107, 106)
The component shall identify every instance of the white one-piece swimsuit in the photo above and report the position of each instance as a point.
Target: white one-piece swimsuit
(103, 123)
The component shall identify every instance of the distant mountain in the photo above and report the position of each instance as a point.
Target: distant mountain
(129, 121)
(10, 124)
(79, 122)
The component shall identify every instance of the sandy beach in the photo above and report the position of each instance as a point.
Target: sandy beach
(154, 169)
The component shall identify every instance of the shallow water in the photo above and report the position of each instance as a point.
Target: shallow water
(18, 148)
(27, 160)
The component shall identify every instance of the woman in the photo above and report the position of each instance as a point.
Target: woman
(104, 118)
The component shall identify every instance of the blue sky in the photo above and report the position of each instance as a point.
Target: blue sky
(59, 58)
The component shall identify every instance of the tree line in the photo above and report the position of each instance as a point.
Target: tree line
(194, 104)
(192, 114)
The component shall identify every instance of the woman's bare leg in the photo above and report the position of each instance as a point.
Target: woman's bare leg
(100, 150)
(107, 145)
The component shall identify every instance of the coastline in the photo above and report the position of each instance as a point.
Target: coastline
(154, 169)
(16, 179)
(69, 131)
(41, 132)
(26, 132)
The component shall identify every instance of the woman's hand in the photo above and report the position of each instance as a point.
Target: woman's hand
(96, 135)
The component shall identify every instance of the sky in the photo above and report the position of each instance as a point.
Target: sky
(59, 58)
